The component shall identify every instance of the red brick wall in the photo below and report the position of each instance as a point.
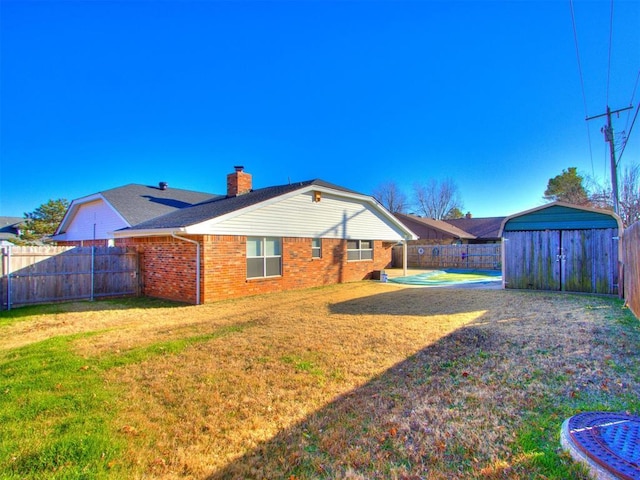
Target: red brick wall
(225, 274)
(83, 243)
(168, 267)
(118, 242)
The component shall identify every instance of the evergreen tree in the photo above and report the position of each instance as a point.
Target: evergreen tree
(567, 187)
(43, 221)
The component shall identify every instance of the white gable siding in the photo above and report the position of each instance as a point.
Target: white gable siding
(96, 213)
(299, 216)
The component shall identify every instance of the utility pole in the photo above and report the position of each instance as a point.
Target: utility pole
(608, 137)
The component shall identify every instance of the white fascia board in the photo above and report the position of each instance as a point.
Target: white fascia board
(75, 206)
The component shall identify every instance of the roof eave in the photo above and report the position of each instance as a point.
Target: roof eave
(149, 232)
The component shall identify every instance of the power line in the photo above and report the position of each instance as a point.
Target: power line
(610, 44)
(633, 95)
(584, 96)
(629, 133)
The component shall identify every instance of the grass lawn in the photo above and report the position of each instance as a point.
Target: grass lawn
(357, 381)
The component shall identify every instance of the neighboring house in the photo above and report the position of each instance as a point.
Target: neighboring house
(455, 231)
(91, 220)
(485, 230)
(10, 229)
(432, 231)
(248, 241)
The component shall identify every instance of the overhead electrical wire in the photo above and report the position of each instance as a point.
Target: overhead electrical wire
(628, 133)
(584, 96)
(633, 95)
(610, 48)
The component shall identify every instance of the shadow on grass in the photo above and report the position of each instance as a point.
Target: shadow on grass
(450, 411)
(403, 422)
(89, 306)
(411, 301)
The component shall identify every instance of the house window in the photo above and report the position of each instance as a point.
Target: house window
(316, 248)
(264, 257)
(359, 250)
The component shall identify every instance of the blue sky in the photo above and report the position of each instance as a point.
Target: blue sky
(99, 94)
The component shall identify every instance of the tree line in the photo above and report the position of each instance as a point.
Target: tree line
(433, 199)
(571, 187)
(441, 200)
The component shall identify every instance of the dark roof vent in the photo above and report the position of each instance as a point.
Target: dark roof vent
(163, 185)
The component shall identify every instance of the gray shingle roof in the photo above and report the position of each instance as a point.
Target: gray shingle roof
(9, 227)
(140, 203)
(221, 205)
(483, 228)
(420, 225)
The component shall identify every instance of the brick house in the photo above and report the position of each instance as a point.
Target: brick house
(248, 241)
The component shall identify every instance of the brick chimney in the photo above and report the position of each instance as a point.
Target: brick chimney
(238, 182)
(468, 215)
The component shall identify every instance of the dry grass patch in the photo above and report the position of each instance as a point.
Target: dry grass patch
(363, 380)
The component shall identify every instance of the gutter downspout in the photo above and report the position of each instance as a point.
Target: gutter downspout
(197, 244)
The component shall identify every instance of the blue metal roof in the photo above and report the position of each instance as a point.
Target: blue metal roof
(559, 216)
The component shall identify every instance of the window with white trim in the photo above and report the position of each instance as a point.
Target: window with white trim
(316, 248)
(264, 257)
(359, 250)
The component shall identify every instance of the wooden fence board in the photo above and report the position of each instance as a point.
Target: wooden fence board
(32, 275)
(530, 260)
(630, 252)
(468, 257)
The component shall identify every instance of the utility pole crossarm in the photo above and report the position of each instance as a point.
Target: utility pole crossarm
(609, 113)
(612, 150)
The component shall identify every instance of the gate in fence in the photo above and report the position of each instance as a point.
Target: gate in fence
(33, 275)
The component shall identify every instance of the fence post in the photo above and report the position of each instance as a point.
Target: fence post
(8, 270)
(93, 270)
(467, 259)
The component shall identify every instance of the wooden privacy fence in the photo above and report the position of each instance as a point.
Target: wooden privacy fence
(32, 275)
(466, 256)
(630, 253)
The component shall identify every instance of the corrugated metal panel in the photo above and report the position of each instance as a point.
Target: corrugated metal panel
(300, 216)
(560, 218)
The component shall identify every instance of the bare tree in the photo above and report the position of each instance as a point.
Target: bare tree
(600, 194)
(391, 197)
(630, 195)
(437, 199)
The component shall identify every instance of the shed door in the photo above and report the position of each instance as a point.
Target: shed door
(568, 260)
(531, 260)
(590, 261)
